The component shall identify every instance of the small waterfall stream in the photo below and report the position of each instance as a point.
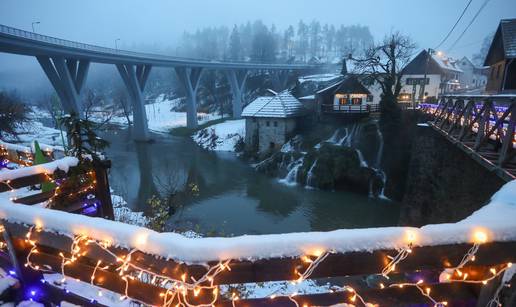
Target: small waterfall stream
(310, 175)
(293, 169)
(363, 162)
(380, 147)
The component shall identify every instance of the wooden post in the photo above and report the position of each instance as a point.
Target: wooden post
(483, 124)
(103, 193)
(509, 136)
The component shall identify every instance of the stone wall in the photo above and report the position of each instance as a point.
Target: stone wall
(443, 183)
(268, 131)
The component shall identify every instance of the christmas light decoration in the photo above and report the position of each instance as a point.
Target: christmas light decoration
(177, 291)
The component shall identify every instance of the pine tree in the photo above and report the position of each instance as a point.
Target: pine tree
(235, 45)
(83, 141)
(302, 33)
(288, 42)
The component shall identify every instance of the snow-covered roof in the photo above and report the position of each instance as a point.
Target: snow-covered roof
(281, 105)
(446, 63)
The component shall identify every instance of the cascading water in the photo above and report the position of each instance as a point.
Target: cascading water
(363, 162)
(310, 175)
(380, 147)
(291, 178)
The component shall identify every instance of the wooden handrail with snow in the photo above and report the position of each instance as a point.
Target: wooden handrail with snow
(431, 259)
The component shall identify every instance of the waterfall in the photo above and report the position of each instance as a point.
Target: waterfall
(363, 162)
(291, 178)
(310, 175)
(384, 180)
(380, 147)
(334, 136)
(344, 139)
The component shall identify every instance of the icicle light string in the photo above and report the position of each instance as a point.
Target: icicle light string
(177, 290)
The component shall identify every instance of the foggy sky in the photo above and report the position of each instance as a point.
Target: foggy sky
(162, 22)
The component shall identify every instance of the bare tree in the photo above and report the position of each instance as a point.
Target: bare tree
(120, 100)
(384, 63)
(13, 114)
(50, 103)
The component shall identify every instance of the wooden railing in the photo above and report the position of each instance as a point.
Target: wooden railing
(483, 126)
(24, 155)
(92, 200)
(349, 109)
(351, 268)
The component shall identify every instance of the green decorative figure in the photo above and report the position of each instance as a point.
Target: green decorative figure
(39, 158)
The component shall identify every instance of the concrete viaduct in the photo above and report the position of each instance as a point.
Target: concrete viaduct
(66, 64)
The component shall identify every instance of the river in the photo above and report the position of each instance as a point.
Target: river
(232, 198)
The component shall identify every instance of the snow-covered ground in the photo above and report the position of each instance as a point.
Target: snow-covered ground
(227, 135)
(161, 116)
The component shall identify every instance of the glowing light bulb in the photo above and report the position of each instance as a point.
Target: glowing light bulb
(480, 237)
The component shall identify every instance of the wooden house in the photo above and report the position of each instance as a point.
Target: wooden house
(500, 59)
(344, 98)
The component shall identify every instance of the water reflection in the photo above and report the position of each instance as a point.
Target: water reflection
(233, 199)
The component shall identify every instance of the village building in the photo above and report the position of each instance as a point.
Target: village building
(442, 76)
(473, 77)
(345, 98)
(500, 59)
(272, 120)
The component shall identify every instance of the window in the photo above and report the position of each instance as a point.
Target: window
(343, 101)
(370, 98)
(275, 124)
(356, 101)
(268, 123)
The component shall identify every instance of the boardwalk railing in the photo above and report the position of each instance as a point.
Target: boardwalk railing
(483, 126)
(90, 195)
(24, 155)
(103, 265)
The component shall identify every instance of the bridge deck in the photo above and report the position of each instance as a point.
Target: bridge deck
(17, 41)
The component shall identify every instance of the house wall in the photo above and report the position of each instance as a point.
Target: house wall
(495, 77)
(471, 76)
(267, 131)
(432, 88)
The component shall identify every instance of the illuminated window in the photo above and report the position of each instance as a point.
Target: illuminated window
(356, 100)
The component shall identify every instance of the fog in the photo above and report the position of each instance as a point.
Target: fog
(159, 24)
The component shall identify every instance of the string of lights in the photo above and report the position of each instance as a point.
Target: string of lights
(177, 291)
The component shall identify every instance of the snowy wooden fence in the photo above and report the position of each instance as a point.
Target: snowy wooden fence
(427, 262)
(97, 204)
(24, 155)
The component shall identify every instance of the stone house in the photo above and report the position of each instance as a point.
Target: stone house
(270, 121)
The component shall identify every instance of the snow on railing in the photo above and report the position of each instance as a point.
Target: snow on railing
(496, 220)
(47, 168)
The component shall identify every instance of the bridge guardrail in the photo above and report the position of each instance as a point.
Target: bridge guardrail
(106, 50)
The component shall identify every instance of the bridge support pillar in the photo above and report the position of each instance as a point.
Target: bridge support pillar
(280, 79)
(67, 77)
(190, 78)
(135, 77)
(237, 79)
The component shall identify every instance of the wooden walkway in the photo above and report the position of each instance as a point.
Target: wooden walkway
(483, 126)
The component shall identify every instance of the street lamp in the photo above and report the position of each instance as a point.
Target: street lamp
(116, 44)
(35, 23)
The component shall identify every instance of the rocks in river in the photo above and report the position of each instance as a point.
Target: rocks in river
(330, 167)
